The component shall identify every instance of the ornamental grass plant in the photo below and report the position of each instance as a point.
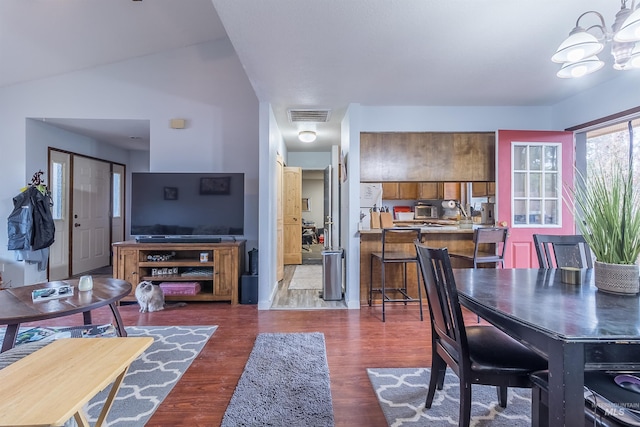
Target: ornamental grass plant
(608, 212)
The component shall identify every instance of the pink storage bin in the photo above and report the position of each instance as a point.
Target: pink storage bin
(180, 288)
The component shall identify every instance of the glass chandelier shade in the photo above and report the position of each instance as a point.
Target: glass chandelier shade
(577, 53)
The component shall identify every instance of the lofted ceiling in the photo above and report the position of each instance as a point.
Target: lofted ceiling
(318, 54)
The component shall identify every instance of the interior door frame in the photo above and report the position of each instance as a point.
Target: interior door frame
(69, 201)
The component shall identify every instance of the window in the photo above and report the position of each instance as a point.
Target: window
(57, 190)
(117, 209)
(536, 184)
(614, 142)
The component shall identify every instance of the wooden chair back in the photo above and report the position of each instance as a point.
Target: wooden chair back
(395, 241)
(556, 251)
(490, 235)
(447, 324)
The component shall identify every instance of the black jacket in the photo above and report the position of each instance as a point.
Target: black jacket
(31, 224)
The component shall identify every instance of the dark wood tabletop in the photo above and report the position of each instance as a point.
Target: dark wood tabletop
(17, 305)
(576, 327)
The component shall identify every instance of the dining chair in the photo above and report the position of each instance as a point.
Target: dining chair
(397, 248)
(483, 237)
(478, 354)
(605, 403)
(555, 251)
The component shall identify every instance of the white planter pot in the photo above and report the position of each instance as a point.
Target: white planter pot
(617, 278)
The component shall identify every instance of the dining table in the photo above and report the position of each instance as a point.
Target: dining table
(576, 327)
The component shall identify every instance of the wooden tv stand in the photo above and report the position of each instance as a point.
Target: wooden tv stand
(218, 276)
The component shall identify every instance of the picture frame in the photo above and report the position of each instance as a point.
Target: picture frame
(171, 193)
(215, 186)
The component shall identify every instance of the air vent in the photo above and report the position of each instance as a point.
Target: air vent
(316, 116)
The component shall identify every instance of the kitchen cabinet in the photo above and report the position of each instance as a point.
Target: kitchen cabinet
(427, 156)
(451, 190)
(430, 190)
(483, 189)
(399, 190)
(439, 190)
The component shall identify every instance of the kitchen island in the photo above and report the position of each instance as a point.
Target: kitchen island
(437, 236)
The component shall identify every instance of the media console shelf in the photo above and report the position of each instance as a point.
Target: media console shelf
(217, 267)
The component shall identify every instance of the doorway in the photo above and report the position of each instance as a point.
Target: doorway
(88, 197)
(313, 188)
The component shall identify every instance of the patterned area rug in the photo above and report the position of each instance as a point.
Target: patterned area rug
(307, 277)
(402, 393)
(152, 376)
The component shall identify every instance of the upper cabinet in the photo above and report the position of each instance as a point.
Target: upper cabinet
(483, 189)
(427, 156)
(399, 190)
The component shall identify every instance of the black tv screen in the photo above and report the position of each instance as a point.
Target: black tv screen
(187, 204)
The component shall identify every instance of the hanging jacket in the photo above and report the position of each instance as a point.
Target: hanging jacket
(30, 224)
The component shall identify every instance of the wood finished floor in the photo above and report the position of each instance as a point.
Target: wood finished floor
(288, 299)
(355, 340)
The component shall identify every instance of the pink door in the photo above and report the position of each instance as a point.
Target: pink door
(535, 170)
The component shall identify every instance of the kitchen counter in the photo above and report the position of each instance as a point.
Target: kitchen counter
(437, 236)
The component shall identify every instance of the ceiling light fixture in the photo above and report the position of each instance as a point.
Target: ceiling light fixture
(307, 136)
(578, 53)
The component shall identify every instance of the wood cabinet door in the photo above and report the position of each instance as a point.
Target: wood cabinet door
(390, 191)
(292, 212)
(451, 191)
(491, 188)
(126, 266)
(478, 189)
(223, 266)
(408, 190)
(429, 190)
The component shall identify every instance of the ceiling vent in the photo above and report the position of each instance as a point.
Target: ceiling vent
(314, 116)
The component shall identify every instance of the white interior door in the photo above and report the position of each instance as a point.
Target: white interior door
(91, 202)
(59, 169)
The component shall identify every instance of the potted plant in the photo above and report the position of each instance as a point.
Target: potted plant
(608, 214)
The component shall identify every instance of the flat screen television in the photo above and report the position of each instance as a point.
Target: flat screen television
(186, 205)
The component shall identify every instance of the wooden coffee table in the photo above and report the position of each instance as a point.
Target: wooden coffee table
(51, 385)
(17, 306)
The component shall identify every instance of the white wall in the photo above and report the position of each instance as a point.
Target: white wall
(204, 84)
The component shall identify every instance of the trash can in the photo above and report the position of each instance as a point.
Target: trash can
(332, 274)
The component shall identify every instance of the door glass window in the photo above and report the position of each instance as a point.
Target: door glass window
(535, 178)
(117, 209)
(57, 187)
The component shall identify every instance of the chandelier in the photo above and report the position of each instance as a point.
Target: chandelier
(578, 53)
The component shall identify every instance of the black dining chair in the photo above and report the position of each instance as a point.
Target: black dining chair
(478, 354)
(556, 251)
(397, 248)
(605, 403)
(484, 237)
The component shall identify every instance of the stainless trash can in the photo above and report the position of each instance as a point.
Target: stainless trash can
(332, 274)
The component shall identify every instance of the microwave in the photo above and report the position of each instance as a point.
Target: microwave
(426, 212)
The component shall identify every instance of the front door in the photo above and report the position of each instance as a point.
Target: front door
(90, 227)
(534, 174)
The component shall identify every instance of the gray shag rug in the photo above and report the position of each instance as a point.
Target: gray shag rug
(285, 383)
(402, 393)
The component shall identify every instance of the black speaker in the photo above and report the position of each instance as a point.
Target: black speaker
(249, 290)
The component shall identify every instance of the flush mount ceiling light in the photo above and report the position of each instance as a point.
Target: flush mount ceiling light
(578, 53)
(307, 136)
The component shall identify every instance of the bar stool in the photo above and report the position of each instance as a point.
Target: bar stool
(397, 248)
